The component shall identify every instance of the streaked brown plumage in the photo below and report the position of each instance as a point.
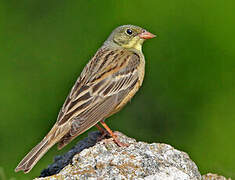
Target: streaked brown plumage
(106, 84)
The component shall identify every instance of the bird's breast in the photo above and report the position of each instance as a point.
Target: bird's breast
(141, 70)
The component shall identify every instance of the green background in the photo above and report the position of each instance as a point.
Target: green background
(188, 95)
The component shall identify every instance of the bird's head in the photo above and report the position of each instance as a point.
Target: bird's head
(129, 36)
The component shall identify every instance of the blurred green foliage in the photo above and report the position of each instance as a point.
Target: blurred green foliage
(188, 96)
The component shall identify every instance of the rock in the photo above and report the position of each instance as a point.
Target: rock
(63, 160)
(106, 160)
(211, 176)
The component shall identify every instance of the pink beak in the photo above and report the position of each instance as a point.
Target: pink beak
(146, 35)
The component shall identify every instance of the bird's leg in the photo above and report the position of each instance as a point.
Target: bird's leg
(102, 131)
(113, 135)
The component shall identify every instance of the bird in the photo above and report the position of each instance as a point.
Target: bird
(108, 81)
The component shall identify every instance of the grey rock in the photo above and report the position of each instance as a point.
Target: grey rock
(140, 160)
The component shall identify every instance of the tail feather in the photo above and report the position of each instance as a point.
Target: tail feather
(39, 150)
(34, 155)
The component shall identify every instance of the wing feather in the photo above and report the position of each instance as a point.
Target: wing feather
(102, 85)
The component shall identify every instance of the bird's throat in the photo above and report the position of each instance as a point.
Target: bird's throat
(135, 43)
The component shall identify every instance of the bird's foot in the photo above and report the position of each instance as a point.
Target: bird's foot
(115, 137)
(104, 135)
(119, 143)
(110, 133)
(107, 138)
(116, 141)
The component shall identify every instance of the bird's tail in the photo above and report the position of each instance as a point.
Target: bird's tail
(38, 151)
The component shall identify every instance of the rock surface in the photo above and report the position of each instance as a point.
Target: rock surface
(61, 161)
(106, 160)
(211, 176)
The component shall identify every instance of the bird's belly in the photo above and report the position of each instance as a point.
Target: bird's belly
(128, 97)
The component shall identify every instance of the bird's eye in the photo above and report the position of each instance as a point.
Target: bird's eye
(129, 31)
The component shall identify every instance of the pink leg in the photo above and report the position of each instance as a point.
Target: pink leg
(115, 138)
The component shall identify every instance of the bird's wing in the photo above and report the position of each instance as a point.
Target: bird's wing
(102, 85)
